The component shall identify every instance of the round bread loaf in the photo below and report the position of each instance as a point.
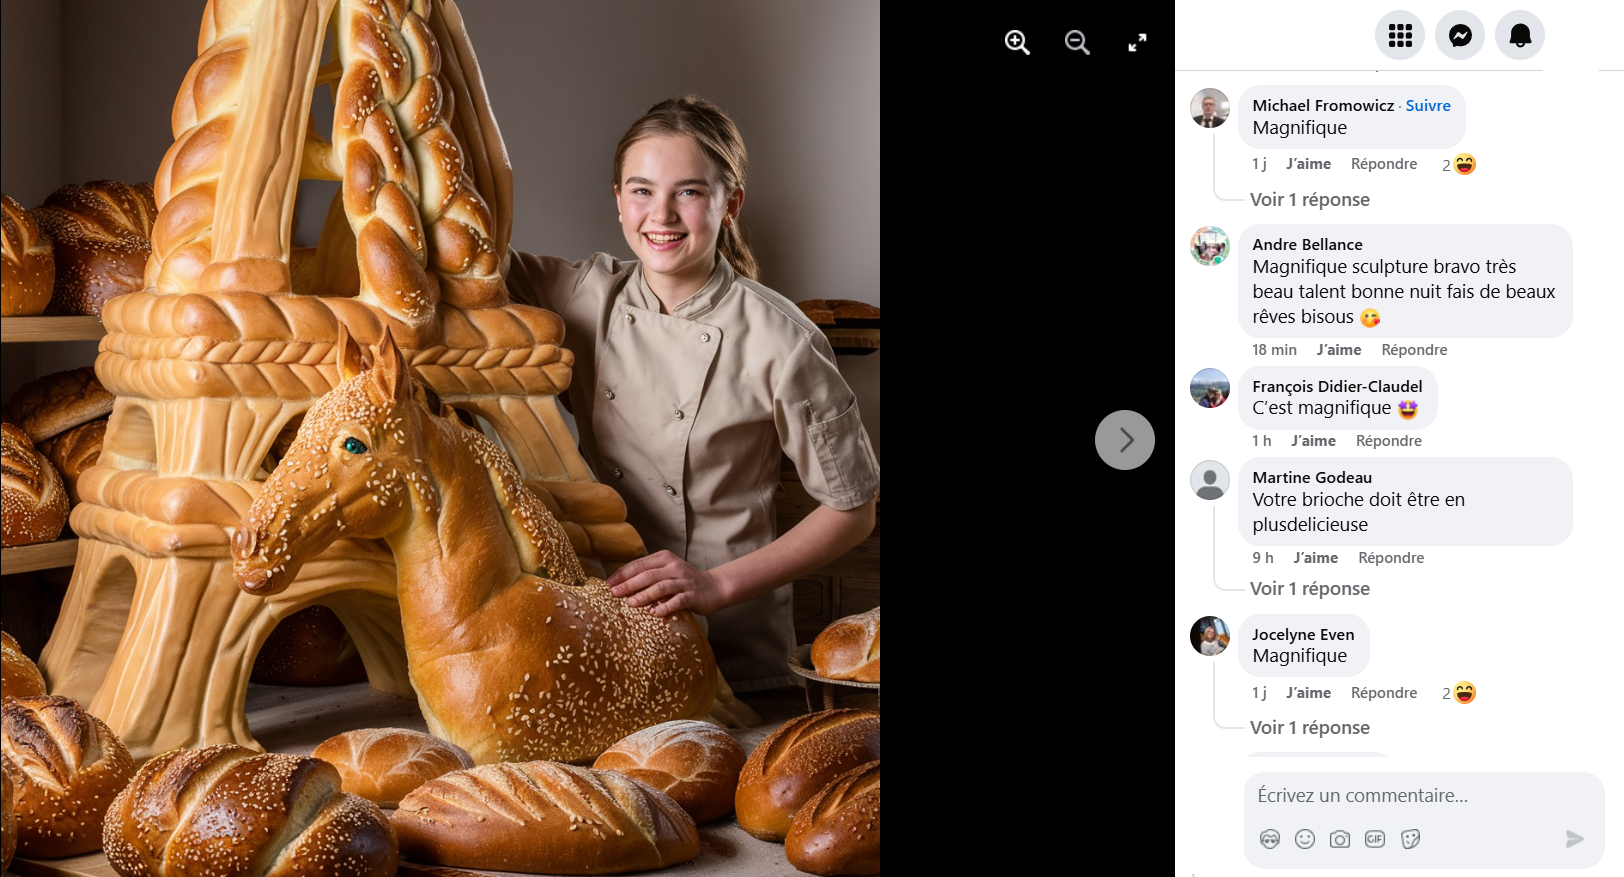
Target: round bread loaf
(74, 451)
(8, 818)
(383, 765)
(19, 676)
(27, 267)
(101, 233)
(838, 831)
(72, 765)
(229, 810)
(796, 761)
(696, 763)
(309, 647)
(58, 402)
(545, 817)
(850, 648)
(33, 502)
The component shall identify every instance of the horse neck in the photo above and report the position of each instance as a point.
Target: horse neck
(455, 552)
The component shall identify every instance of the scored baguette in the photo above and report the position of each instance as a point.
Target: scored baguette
(796, 761)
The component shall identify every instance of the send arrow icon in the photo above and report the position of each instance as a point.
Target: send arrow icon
(1573, 838)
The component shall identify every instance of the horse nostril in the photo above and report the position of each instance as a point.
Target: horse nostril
(243, 541)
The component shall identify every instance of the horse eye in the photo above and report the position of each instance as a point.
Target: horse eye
(354, 446)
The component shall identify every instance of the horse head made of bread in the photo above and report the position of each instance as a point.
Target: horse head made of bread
(515, 653)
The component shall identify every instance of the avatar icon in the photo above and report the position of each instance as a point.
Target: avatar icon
(1269, 838)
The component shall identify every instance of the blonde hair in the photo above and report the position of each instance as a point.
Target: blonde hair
(719, 139)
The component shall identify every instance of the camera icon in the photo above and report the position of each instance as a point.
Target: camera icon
(1375, 839)
(1340, 840)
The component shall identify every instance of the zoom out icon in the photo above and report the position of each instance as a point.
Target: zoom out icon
(1460, 35)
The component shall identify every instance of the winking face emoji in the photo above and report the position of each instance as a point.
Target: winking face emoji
(1370, 318)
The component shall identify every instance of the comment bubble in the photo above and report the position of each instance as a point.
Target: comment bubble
(1351, 116)
(1473, 821)
(1303, 645)
(1439, 281)
(1337, 397)
(1373, 501)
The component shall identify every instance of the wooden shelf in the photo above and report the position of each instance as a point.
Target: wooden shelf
(41, 555)
(51, 329)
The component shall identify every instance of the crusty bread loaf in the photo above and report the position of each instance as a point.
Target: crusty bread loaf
(8, 818)
(33, 502)
(547, 817)
(27, 267)
(57, 402)
(818, 311)
(838, 831)
(72, 765)
(850, 648)
(19, 676)
(309, 647)
(696, 763)
(74, 451)
(228, 810)
(383, 765)
(101, 233)
(796, 761)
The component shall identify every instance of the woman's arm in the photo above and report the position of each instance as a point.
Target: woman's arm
(667, 583)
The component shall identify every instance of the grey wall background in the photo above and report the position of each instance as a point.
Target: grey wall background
(801, 79)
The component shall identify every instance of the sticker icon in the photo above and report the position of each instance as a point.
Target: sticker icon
(1411, 839)
(1465, 692)
(1465, 164)
(1305, 838)
(1269, 838)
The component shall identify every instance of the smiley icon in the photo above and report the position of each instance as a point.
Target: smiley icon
(1305, 838)
(1370, 318)
(1465, 164)
(1465, 692)
(1407, 409)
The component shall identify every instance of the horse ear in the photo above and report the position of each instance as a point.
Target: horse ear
(348, 355)
(390, 372)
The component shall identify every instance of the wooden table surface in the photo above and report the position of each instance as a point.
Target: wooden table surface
(296, 720)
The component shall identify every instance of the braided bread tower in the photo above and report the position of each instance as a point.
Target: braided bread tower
(218, 355)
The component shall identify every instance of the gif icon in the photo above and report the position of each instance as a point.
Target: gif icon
(1375, 838)
(1340, 840)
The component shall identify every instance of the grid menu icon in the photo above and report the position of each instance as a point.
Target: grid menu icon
(1400, 36)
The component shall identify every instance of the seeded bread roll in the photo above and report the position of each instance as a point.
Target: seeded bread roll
(838, 831)
(74, 451)
(27, 267)
(696, 763)
(19, 676)
(58, 402)
(227, 810)
(101, 233)
(33, 502)
(544, 817)
(309, 647)
(850, 648)
(72, 765)
(8, 818)
(796, 761)
(383, 765)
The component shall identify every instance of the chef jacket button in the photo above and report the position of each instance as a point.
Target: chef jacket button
(608, 394)
(704, 336)
(618, 473)
(670, 491)
(679, 414)
(631, 318)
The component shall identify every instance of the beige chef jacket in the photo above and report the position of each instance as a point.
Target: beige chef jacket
(686, 414)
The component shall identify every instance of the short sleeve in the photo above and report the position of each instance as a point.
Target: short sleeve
(545, 281)
(821, 430)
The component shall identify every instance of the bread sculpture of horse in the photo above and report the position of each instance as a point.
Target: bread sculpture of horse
(515, 653)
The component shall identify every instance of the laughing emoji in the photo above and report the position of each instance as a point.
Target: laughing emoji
(1370, 318)
(1406, 409)
(1465, 164)
(1465, 692)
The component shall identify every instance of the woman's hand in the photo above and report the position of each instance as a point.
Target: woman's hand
(665, 583)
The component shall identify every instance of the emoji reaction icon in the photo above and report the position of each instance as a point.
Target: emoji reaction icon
(1269, 838)
(1465, 164)
(1304, 838)
(1370, 318)
(1406, 409)
(1465, 692)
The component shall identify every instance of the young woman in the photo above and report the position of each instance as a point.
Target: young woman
(691, 379)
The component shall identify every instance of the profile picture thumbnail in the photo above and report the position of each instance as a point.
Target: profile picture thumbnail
(1209, 388)
(1209, 245)
(1209, 108)
(1209, 636)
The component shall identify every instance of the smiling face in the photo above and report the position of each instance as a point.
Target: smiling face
(1370, 318)
(672, 206)
(1465, 692)
(1407, 409)
(1465, 164)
